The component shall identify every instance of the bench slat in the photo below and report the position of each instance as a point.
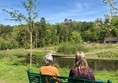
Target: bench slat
(38, 78)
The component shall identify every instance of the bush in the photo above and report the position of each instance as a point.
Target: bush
(110, 54)
(37, 58)
(18, 57)
(70, 48)
(8, 44)
(24, 58)
(39, 61)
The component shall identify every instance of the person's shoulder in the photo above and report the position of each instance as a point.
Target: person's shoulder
(89, 68)
(73, 69)
(42, 67)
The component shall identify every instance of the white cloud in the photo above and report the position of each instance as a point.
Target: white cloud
(82, 6)
(79, 10)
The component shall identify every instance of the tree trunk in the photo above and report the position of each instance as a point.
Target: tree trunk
(36, 38)
(30, 48)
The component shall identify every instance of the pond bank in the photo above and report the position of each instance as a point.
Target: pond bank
(95, 63)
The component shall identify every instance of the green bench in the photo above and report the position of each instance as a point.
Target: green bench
(38, 78)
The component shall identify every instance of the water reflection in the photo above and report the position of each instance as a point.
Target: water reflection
(96, 64)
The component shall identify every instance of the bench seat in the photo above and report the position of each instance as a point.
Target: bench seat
(39, 78)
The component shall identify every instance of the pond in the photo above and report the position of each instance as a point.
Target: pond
(96, 64)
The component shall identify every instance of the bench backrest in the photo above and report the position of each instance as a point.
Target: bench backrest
(38, 78)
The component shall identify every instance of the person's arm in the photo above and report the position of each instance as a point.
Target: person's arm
(71, 73)
(91, 74)
(39, 70)
(58, 72)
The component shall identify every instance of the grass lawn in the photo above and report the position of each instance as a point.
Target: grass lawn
(99, 75)
(17, 73)
(10, 73)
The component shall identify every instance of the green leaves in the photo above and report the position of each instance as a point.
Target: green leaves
(75, 37)
(31, 9)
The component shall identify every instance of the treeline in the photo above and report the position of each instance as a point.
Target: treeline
(46, 34)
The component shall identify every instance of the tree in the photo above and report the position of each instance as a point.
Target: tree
(32, 13)
(75, 37)
(114, 24)
(98, 28)
(42, 31)
(54, 37)
(111, 5)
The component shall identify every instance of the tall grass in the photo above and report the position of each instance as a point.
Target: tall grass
(71, 48)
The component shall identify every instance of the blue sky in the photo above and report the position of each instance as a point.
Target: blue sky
(56, 11)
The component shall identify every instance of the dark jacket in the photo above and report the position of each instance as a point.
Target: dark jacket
(85, 73)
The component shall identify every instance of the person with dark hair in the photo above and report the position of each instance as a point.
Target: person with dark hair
(80, 68)
(49, 69)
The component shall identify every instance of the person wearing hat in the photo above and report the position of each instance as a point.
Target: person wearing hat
(49, 69)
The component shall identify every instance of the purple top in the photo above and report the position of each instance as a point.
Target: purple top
(86, 73)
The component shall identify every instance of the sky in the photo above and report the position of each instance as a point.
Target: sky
(55, 11)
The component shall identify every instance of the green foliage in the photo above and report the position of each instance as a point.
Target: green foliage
(31, 14)
(111, 54)
(22, 58)
(8, 44)
(39, 58)
(112, 6)
(75, 37)
(114, 21)
(23, 36)
(45, 34)
(15, 57)
(71, 48)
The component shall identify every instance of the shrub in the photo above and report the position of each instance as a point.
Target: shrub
(8, 44)
(75, 37)
(18, 57)
(110, 54)
(70, 48)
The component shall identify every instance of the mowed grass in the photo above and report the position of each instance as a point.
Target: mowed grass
(105, 75)
(12, 73)
(99, 75)
(17, 73)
